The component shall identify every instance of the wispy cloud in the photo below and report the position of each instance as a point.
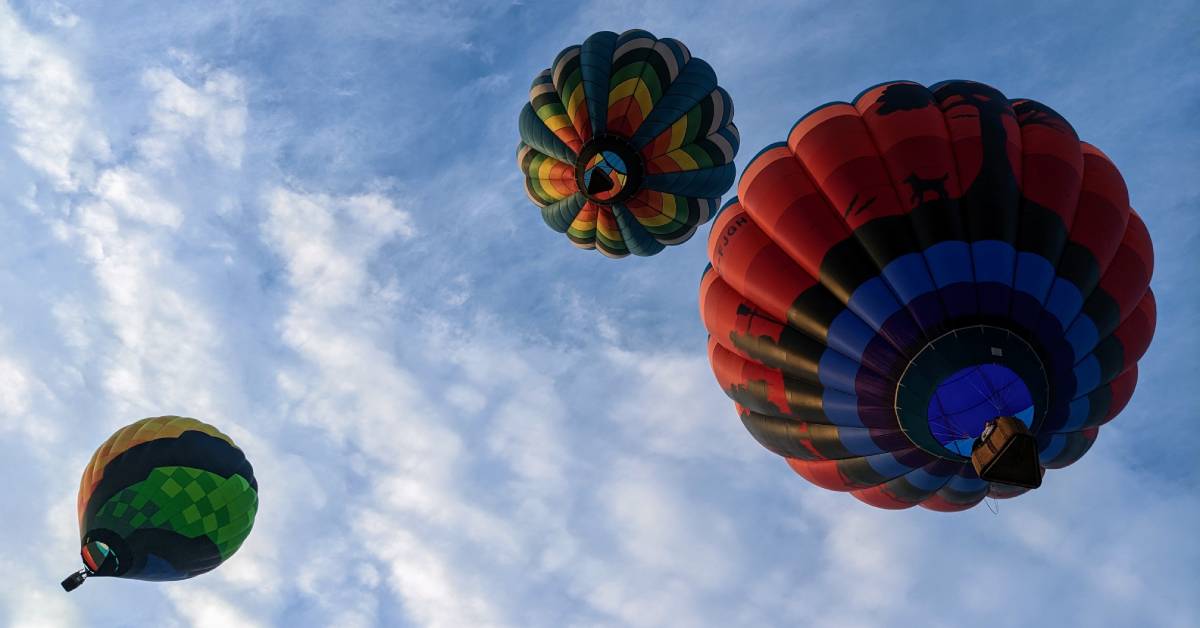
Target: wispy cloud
(304, 225)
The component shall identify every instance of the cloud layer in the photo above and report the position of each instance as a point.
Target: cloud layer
(305, 226)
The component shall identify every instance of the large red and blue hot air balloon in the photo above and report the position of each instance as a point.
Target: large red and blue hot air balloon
(907, 270)
(627, 143)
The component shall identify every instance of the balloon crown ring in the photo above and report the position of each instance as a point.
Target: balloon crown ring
(609, 169)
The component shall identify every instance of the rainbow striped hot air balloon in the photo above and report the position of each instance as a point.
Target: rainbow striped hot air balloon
(627, 143)
(165, 498)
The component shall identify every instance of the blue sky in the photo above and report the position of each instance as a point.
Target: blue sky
(306, 225)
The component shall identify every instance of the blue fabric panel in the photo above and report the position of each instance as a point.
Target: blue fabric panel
(995, 299)
(960, 299)
(927, 309)
(559, 214)
(849, 335)
(961, 446)
(1025, 310)
(858, 441)
(968, 399)
(874, 302)
(595, 61)
(1083, 336)
(538, 136)
(1064, 301)
(925, 480)
(1087, 375)
(159, 570)
(841, 408)
(994, 261)
(1052, 448)
(950, 263)
(965, 485)
(695, 82)
(888, 466)
(1079, 410)
(908, 276)
(837, 371)
(1034, 275)
(637, 239)
(704, 183)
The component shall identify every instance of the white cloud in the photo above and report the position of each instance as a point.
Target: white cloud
(435, 593)
(14, 390)
(205, 609)
(32, 606)
(674, 406)
(358, 393)
(432, 451)
(47, 105)
(325, 240)
(655, 524)
(212, 113)
(135, 196)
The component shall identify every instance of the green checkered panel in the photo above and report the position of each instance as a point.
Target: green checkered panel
(190, 502)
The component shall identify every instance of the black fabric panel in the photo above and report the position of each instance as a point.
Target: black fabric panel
(1104, 312)
(1079, 266)
(191, 449)
(803, 399)
(1111, 356)
(779, 435)
(1099, 401)
(992, 199)
(1042, 232)
(846, 266)
(884, 239)
(813, 312)
(191, 557)
(794, 353)
(938, 220)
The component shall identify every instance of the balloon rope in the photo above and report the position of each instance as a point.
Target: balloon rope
(948, 430)
(987, 396)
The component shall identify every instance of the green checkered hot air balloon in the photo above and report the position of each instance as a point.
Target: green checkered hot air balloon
(165, 498)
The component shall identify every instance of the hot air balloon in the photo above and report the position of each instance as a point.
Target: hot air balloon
(627, 143)
(166, 498)
(928, 296)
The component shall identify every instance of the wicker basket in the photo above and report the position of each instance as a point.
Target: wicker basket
(1007, 453)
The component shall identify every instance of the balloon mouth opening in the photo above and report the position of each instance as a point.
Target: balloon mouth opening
(966, 402)
(104, 553)
(608, 170)
(961, 381)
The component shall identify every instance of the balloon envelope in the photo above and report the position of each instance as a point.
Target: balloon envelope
(909, 266)
(627, 143)
(165, 498)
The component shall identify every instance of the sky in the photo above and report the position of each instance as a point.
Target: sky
(304, 224)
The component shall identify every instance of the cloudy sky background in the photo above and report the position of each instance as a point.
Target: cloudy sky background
(306, 226)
